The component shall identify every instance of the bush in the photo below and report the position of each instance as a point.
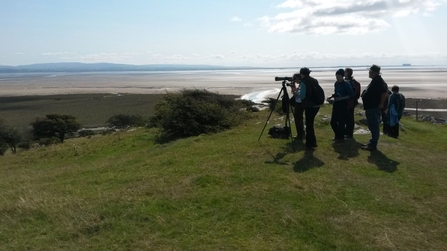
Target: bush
(275, 105)
(124, 121)
(3, 148)
(9, 138)
(86, 133)
(48, 141)
(54, 125)
(195, 112)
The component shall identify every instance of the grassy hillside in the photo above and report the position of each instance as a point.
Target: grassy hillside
(91, 110)
(228, 192)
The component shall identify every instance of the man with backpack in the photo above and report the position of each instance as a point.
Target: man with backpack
(312, 96)
(352, 103)
(396, 106)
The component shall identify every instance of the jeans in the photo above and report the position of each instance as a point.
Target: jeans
(311, 112)
(373, 118)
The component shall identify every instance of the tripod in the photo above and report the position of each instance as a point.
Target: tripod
(286, 109)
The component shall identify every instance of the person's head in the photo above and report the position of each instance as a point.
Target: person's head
(395, 88)
(296, 77)
(348, 72)
(374, 70)
(339, 74)
(304, 72)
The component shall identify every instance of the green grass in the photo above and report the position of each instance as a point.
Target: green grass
(228, 191)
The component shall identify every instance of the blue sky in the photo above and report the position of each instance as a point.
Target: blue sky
(275, 33)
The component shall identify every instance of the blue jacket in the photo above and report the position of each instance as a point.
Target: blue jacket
(343, 89)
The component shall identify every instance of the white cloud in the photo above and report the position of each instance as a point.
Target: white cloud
(343, 16)
(236, 19)
(57, 53)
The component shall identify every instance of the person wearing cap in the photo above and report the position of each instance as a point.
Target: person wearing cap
(352, 103)
(310, 109)
(298, 110)
(374, 97)
(342, 93)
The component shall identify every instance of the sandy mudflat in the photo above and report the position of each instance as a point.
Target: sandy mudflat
(428, 85)
(417, 83)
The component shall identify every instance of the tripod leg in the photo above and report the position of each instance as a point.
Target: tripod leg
(273, 109)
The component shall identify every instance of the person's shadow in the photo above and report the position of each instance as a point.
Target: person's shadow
(382, 162)
(308, 162)
(347, 149)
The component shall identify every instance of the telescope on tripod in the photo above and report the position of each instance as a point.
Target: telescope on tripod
(286, 81)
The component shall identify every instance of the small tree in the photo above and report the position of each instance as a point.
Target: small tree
(9, 137)
(55, 125)
(123, 120)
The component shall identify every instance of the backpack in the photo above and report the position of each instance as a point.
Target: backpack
(356, 89)
(315, 92)
(279, 132)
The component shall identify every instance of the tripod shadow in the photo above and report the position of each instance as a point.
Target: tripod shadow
(291, 147)
(382, 162)
(277, 159)
(308, 162)
(347, 149)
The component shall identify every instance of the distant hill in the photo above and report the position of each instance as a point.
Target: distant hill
(98, 67)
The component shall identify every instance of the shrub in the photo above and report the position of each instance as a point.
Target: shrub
(86, 133)
(54, 125)
(123, 121)
(3, 148)
(275, 105)
(9, 137)
(194, 112)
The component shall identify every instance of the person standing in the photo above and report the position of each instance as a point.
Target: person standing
(396, 106)
(373, 101)
(342, 93)
(298, 110)
(352, 103)
(310, 108)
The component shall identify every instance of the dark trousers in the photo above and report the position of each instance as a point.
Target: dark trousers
(299, 120)
(385, 123)
(338, 119)
(393, 131)
(310, 114)
(349, 132)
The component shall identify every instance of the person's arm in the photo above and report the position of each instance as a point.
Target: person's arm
(293, 89)
(383, 97)
(302, 90)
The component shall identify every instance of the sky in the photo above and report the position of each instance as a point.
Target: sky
(272, 33)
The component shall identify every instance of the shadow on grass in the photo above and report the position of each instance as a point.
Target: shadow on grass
(347, 149)
(308, 162)
(382, 162)
(290, 147)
